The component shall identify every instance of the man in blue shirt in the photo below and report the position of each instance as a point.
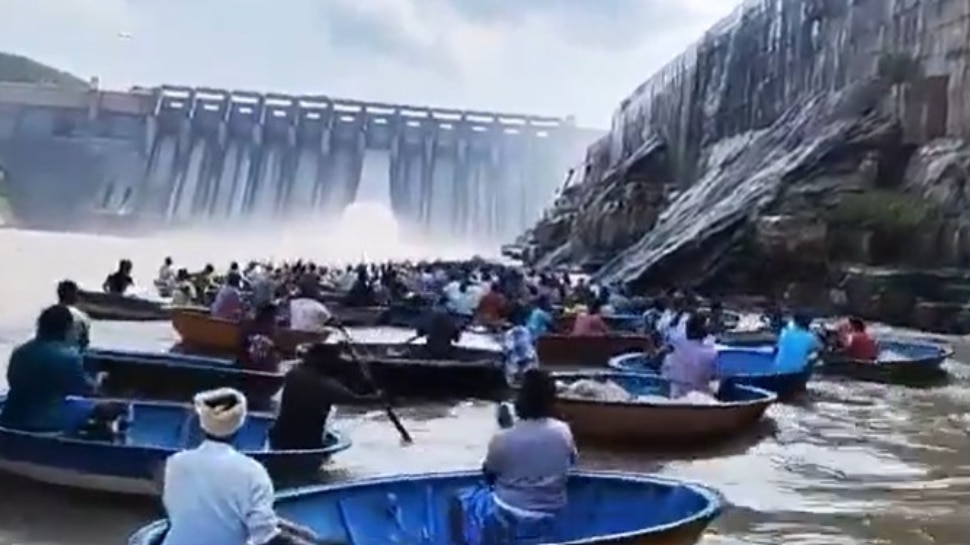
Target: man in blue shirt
(796, 345)
(540, 320)
(42, 372)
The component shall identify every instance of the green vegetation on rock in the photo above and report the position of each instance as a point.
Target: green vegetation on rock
(883, 211)
(19, 69)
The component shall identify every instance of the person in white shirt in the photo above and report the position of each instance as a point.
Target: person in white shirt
(165, 283)
(308, 314)
(214, 493)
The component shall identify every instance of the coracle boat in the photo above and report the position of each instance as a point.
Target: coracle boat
(406, 370)
(177, 377)
(140, 436)
(575, 350)
(109, 306)
(751, 366)
(603, 508)
(655, 420)
(199, 330)
(900, 361)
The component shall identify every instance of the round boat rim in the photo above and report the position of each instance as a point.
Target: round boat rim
(341, 441)
(714, 500)
(180, 361)
(617, 363)
(765, 397)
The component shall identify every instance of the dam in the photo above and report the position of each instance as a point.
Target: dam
(182, 157)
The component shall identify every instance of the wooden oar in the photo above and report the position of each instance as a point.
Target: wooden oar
(365, 370)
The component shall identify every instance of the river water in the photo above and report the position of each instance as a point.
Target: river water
(854, 463)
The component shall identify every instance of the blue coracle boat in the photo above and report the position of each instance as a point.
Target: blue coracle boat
(900, 361)
(177, 377)
(147, 433)
(414, 510)
(749, 366)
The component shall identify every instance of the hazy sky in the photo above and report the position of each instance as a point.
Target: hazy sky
(556, 57)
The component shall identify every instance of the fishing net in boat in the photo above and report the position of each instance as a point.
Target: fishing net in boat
(611, 391)
(595, 390)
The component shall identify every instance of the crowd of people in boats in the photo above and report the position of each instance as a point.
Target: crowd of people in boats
(215, 494)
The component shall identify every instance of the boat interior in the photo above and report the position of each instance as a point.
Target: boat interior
(416, 353)
(416, 510)
(734, 362)
(159, 425)
(642, 385)
(159, 357)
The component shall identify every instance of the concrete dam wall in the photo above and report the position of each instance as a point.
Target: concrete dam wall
(177, 156)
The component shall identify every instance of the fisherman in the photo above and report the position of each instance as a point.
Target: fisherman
(118, 282)
(80, 334)
(361, 293)
(307, 313)
(310, 390)
(590, 323)
(43, 372)
(184, 292)
(518, 347)
(441, 330)
(203, 282)
(796, 345)
(228, 304)
(491, 307)
(165, 283)
(257, 350)
(214, 493)
(690, 367)
(540, 319)
(526, 467)
(856, 343)
(716, 319)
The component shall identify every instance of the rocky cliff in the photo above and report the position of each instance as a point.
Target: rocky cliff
(800, 148)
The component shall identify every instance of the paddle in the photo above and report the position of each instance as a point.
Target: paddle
(365, 370)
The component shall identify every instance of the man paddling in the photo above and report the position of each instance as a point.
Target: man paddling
(310, 391)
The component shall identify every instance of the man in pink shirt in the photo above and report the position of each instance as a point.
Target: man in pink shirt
(229, 304)
(591, 323)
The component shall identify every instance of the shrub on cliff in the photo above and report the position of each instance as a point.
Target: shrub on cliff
(883, 211)
(19, 69)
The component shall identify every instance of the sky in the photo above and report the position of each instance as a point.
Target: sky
(544, 57)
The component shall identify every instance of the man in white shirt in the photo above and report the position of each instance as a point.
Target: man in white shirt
(307, 314)
(214, 493)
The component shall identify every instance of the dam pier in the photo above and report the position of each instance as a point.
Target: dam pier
(181, 157)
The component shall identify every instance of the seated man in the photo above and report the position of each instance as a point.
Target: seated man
(43, 372)
(796, 345)
(857, 343)
(441, 329)
(527, 465)
(214, 493)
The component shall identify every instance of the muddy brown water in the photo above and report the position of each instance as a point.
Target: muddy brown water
(854, 463)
